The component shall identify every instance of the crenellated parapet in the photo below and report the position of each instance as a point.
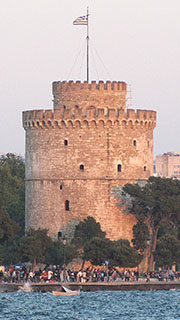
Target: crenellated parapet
(67, 94)
(92, 117)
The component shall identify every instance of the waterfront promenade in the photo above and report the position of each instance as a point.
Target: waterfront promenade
(98, 286)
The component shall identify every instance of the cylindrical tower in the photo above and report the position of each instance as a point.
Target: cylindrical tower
(77, 153)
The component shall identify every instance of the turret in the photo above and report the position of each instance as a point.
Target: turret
(102, 94)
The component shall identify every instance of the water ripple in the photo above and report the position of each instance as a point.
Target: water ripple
(104, 305)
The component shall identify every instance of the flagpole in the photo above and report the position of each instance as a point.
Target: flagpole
(87, 45)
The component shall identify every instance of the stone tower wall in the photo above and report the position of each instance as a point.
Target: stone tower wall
(100, 139)
(71, 94)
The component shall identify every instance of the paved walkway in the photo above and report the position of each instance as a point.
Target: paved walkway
(97, 286)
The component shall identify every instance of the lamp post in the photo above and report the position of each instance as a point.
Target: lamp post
(64, 243)
(59, 235)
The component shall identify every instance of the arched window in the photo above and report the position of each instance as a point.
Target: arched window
(66, 142)
(67, 205)
(61, 186)
(81, 167)
(119, 167)
(145, 168)
(134, 143)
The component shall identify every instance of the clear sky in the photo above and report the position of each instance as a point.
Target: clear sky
(137, 41)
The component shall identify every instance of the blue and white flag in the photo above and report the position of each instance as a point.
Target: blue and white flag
(81, 21)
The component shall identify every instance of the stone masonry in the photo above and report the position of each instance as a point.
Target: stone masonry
(78, 151)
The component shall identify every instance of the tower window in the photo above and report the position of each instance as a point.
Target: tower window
(119, 167)
(66, 142)
(67, 205)
(61, 186)
(145, 168)
(134, 143)
(81, 167)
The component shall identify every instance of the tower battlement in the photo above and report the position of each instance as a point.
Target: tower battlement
(83, 94)
(97, 116)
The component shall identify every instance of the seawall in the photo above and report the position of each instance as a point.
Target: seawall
(87, 287)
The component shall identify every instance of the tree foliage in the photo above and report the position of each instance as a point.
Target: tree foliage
(9, 253)
(167, 229)
(34, 245)
(86, 230)
(155, 203)
(12, 187)
(167, 251)
(59, 253)
(118, 253)
(38, 246)
(140, 236)
(8, 228)
(97, 250)
(123, 255)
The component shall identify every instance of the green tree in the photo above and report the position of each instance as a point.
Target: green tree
(8, 228)
(97, 250)
(167, 229)
(9, 253)
(123, 255)
(33, 247)
(167, 251)
(140, 236)
(8, 232)
(59, 253)
(155, 202)
(119, 253)
(87, 230)
(14, 163)
(12, 188)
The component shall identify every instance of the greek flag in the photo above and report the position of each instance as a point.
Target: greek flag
(81, 21)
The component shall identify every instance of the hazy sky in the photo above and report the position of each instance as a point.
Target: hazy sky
(137, 41)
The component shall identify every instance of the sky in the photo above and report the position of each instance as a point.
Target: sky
(136, 41)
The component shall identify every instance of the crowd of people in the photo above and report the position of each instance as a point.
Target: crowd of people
(164, 275)
(58, 274)
(52, 274)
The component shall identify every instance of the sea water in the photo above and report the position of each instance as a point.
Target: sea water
(99, 305)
